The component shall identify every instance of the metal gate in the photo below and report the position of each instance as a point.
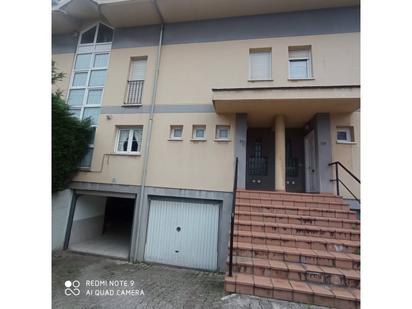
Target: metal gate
(183, 233)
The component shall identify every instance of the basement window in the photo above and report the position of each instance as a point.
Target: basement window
(128, 140)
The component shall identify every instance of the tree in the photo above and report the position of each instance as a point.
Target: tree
(70, 138)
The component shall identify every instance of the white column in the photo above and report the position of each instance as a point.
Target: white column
(280, 157)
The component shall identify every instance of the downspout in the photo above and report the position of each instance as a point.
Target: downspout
(147, 147)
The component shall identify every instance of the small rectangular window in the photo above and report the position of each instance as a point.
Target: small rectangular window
(222, 133)
(199, 132)
(129, 140)
(260, 64)
(300, 62)
(344, 135)
(176, 132)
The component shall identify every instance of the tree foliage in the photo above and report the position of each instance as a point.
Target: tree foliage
(70, 137)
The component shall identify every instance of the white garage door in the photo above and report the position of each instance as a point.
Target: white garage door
(183, 233)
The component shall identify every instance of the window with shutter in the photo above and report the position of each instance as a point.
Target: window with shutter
(260, 64)
(300, 62)
(136, 80)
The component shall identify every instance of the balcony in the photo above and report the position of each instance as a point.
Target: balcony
(134, 92)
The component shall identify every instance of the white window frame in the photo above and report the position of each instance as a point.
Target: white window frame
(129, 141)
(172, 136)
(217, 135)
(256, 51)
(349, 135)
(308, 60)
(194, 130)
(93, 49)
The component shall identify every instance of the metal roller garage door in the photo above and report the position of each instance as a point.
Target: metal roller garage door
(183, 233)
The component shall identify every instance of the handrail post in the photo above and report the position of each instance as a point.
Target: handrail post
(337, 178)
(232, 222)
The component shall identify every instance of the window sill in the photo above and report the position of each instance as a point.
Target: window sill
(345, 143)
(131, 105)
(222, 140)
(198, 139)
(300, 79)
(260, 80)
(127, 154)
(175, 139)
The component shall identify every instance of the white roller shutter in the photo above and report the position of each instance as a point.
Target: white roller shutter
(183, 233)
(138, 69)
(260, 65)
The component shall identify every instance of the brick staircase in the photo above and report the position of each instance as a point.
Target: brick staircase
(296, 247)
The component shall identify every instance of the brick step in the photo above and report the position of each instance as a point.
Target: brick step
(304, 242)
(267, 201)
(296, 229)
(290, 196)
(291, 290)
(297, 255)
(296, 210)
(297, 271)
(296, 219)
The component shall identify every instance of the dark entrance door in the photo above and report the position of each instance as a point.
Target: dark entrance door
(260, 159)
(295, 160)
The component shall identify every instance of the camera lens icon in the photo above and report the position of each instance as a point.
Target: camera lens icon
(72, 287)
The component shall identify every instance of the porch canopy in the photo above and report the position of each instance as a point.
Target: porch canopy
(297, 104)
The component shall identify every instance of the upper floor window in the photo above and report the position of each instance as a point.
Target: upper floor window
(97, 34)
(129, 140)
(260, 64)
(300, 62)
(135, 83)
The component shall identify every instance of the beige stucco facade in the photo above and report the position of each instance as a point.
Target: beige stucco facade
(188, 73)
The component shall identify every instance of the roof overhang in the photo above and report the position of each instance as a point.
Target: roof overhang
(298, 104)
(128, 13)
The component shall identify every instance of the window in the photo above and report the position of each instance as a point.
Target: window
(222, 133)
(260, 64)
(300, 62)
(344, 135)
(199, 132)
(176, 132)
(88, 78)
(129, 140)
(135, 83)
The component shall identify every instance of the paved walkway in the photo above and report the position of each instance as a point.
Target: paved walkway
(106, 283)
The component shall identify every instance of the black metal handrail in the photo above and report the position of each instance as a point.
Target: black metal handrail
(232, 218)
(134, 92)
(339, 181)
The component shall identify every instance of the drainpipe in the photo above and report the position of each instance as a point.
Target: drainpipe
(135, 236)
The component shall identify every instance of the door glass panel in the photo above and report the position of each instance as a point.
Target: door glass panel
(257, 163)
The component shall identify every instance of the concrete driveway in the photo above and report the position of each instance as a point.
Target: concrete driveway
(82, 281)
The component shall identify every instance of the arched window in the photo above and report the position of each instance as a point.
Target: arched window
(97, 34)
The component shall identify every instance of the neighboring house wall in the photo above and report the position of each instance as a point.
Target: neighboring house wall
(61, 202)
(347, 154)
(88, 218)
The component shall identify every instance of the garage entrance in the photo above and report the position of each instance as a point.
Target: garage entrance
(102, 225)
(183, 233)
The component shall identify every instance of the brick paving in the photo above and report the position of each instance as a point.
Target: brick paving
(163, 286)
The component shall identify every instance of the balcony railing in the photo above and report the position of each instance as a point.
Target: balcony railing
(134, 92)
